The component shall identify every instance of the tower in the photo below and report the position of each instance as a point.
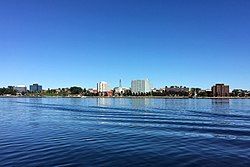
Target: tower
(120, 83)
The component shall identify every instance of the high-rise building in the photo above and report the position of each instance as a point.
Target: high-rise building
(140, 86)
(220, 90)
(102, 87)
(35, 88)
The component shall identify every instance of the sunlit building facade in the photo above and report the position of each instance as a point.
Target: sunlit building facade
(140, 86)
(102, 87)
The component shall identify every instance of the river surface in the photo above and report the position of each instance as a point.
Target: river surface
(124, 132)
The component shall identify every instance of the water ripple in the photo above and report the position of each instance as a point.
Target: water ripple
(124, 132)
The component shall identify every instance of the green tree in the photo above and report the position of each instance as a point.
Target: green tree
(76, 90)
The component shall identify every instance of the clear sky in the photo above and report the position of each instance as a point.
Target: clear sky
(61, 43)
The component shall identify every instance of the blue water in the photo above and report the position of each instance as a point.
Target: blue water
(124, 132)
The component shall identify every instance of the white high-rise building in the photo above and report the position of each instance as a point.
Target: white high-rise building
(140, 86)
(102, 87)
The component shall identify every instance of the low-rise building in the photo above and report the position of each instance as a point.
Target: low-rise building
(176, 89)
(118, 90)
(21, 88)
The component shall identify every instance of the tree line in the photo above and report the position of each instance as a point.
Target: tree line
(75, 91)
(6, 91)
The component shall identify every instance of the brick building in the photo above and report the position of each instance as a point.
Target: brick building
(220, 90)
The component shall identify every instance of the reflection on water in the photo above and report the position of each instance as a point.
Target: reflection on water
(140, 102)
(221, 105)
(220, 101)
(103, 101)
(124, 132)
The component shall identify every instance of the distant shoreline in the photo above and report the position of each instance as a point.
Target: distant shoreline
(128, 97)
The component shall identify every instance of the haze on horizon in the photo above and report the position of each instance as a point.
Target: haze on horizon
(62, 43)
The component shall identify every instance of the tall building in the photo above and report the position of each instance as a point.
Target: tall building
(120, 83)
(140, 86)
(102, 87)
(220, 90)
(21, 88)
(35, 88)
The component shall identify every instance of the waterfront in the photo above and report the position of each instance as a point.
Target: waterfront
(124, 132)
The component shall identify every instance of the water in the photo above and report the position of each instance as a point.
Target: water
(124, 132)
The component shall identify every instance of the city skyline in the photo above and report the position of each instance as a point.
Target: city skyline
(138, 85)
(63, 43)
(93, 85)
(125, 83)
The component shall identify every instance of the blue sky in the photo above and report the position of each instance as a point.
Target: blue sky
(60, 43)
